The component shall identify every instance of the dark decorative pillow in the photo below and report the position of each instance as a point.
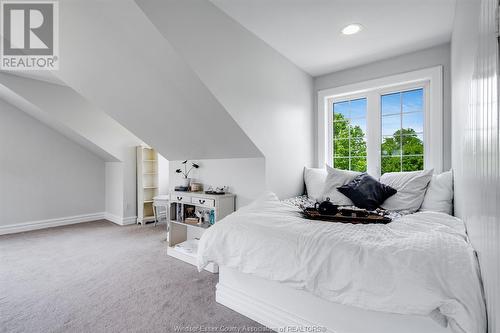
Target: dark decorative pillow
(366, 192)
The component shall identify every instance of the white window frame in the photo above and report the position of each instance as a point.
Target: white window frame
(431, 79)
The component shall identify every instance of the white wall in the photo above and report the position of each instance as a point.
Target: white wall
(439, 55)
(245, 176)
(114, 190)
(464, 47)
(67, 112)
(163, 175)
(43, 175)
(121, 188)
(130, 183)
(475, 144)
(269, 97)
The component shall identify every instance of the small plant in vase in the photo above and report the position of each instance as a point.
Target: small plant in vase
(185, 173)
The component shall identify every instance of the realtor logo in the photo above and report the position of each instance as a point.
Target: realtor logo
(30, 32)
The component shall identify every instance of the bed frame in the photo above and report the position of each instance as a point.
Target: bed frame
(285, 309)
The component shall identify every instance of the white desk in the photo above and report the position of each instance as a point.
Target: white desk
(186, 233)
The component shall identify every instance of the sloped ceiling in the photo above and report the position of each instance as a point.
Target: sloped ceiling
(114, 57)
(269, 97)
(40, 75)
(9, 97)
(205, 89)
(65, 110)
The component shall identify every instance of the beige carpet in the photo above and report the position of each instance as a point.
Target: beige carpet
(100, 277)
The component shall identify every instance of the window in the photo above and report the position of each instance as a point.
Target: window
(402, 115)
(401, 121)
(349, 140)
(383, 125)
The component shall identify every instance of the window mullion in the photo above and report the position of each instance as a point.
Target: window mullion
(373, 133)
(401, 132)
(349, 136)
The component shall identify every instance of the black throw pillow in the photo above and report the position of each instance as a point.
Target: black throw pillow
(366, 192)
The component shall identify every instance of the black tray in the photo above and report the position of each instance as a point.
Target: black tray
(313, 214)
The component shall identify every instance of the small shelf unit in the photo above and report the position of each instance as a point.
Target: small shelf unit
(186, 233)
(147, 183)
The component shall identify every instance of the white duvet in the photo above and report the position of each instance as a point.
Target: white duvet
(420, 264)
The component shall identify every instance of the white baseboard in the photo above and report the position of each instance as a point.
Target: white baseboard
(42, 224)
(120, 220)
(129, 220)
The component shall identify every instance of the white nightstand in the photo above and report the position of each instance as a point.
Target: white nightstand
(182, 237)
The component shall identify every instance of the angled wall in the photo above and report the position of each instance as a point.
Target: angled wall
(65, 110)
(268, 96)
(45, 179)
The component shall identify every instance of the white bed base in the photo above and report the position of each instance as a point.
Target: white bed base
(285, 309)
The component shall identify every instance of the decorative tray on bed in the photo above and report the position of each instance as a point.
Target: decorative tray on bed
(314, 214)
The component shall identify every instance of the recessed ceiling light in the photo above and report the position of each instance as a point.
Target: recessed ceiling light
(352, 29)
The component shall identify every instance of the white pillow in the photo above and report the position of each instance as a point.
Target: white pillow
(336, 178)
(439, 195)
(315, 182)
(411, 187)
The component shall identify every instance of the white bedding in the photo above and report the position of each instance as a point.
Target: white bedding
(419, 264)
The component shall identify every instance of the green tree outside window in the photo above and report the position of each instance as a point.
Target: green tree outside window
(403, 151)
(349, 145)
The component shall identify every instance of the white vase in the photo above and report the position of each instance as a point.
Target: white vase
(186, 181)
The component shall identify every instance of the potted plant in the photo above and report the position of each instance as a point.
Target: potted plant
(185, 173)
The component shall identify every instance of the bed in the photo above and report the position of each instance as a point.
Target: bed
(416, 274)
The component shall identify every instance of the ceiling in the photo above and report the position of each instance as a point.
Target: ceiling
(308, 31)
(41, 75)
